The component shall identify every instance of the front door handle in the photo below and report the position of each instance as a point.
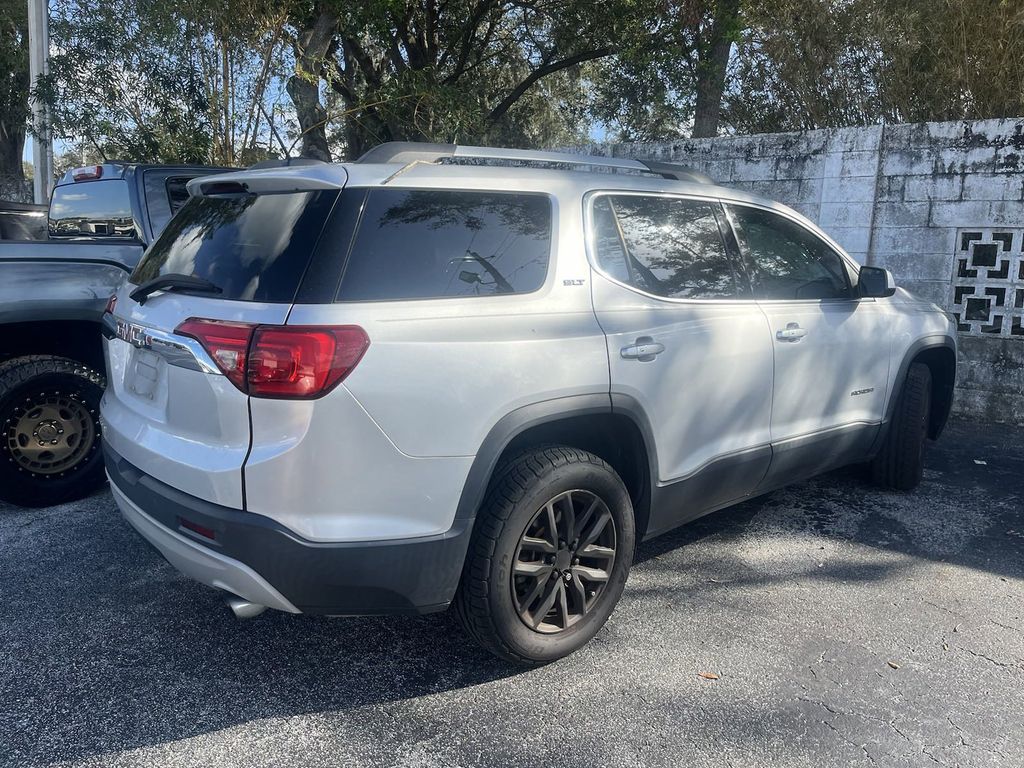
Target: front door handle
(643, 349)
(793, 332)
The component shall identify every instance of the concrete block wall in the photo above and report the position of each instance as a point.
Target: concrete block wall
(939, 204)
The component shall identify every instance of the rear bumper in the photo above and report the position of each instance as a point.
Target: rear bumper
(260, 560)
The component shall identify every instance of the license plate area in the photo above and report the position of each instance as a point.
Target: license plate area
(144, 373)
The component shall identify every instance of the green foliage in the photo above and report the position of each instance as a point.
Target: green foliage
(466, 70)
(164, 81)
(820, 63)
(953, 59)
(197, 81)
(118, 81)
(14, 85)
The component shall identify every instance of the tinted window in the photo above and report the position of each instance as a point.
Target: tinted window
(419, 244)
(254, 247)
(177, 193)
(608, 248)
(788, 261)
(663, 245)
(92, 209)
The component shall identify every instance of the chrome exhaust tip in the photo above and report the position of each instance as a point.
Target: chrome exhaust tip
(243, 609)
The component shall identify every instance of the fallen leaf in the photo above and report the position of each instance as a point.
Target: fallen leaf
(956, 627)
(945, 646)
(707, 675)
(893, 664)
(979, 461)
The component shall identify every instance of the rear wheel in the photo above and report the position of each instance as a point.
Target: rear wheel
(49, 416)
(900, 463)
(551, 550)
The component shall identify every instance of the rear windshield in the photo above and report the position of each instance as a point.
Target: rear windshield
(425, 244)
(253, 247)
(93, 209)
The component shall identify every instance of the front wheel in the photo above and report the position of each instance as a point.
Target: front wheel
(551, 551)
(49, 415)
(900, 463)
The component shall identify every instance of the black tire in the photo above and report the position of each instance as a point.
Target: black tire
(900, 463)
(66, 388)
(521, 491)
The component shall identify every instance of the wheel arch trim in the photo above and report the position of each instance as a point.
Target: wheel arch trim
(510, 426)
(923, 344)
(522, 419)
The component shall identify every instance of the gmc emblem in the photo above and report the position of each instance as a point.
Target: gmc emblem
(134, 334)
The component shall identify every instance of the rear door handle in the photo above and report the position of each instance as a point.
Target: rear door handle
(793, 332)
(643, 349)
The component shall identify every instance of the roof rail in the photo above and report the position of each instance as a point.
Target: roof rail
(415, 151)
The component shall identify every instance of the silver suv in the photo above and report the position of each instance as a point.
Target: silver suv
(452, 375)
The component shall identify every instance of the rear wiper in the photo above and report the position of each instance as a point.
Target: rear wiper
(174, 282)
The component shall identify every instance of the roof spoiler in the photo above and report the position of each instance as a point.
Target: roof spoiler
(286, 162)
(415, 151)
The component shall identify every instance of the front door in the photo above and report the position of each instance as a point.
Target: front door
(831, 348)
(687, 347)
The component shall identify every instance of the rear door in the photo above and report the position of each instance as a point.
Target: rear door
(831, 349)
(169, 409)
(686, 345)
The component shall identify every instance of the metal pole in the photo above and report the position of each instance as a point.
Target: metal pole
(39, 65)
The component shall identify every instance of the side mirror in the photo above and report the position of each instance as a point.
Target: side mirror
(875, 283)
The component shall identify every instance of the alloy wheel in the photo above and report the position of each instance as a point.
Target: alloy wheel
(563, 561)
(50, 433)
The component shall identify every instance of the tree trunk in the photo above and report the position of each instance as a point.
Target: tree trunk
(12, 145)
(711, 68)
(14, 109)
(304, 86)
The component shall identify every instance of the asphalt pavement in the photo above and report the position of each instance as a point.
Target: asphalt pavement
(828, 624)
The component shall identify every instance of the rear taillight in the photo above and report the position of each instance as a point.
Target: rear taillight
(227, 343)
(280, 361)
(302, 361)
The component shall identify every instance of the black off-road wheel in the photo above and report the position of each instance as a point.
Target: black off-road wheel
(550, 554)
(900, 463)
(49, 416)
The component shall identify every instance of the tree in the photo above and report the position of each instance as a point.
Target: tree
(479, 70)
(14, 86)
(668, 77)
(713, 51)
(953, 59)
(823, 63)
(164, 81)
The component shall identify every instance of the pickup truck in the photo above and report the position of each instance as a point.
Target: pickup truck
(53, 293)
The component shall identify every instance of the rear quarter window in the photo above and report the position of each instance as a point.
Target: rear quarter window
(253, 247)
(426, 244)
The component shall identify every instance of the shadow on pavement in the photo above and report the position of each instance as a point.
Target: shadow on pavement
(105, 648)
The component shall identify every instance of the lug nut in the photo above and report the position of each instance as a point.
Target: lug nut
(568, 577)
(554, 574)
(575, 561)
